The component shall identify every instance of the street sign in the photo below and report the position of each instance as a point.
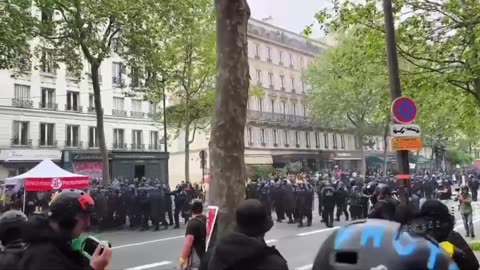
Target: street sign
(405, 130)
(211, 221)
(404, 110)
(406, 143)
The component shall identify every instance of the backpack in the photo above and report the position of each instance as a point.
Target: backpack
(253, 261)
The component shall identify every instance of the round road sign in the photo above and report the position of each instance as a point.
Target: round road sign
(404, 110)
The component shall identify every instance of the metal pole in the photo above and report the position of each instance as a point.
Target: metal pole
(394, 74)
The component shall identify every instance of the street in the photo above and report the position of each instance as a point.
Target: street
(160, 250)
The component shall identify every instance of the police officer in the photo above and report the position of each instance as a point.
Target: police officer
(309, 194)
(289, 200)
(264, 196)
(355, 203)
(328, 203)
(180, 204)
(341, 195)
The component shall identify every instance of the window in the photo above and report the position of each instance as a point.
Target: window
(293, 84)
(20, 133)
(47, 62)
(357, 142)
(73, 98)
(46, 134)
(118, 138)
(335, 146)
(301, 63)
(136, 105)
(154, 140)
(116, 45)
(285, 137)
(304, 110)
(91, 101)
(22, 92)
(92, 137)
(272, 104)
(270, 79)
(325, 138)
(290, 56)
(282, 81)
(317, 139)
(257, 50)
(135, 77)
(280, 56)
(72, 136)
(137, 139)
(296, 138)
(260, 104)
(152, 108)
(284, 107)
(48, 98)
(342, 141)
(262, 137)
(250, 137)
(46, 15)
(117, 70)
(294, 108)
(118, 103)
(269, 54)
(307, 138)
(275, 137)
(303, 86)
(259, 77)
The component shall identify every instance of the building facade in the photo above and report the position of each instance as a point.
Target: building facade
(49, 113)
(278, 130)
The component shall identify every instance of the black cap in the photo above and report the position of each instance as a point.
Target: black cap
(252, 218)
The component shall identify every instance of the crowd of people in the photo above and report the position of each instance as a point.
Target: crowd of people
(386, 232)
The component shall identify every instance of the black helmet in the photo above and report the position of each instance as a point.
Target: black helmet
(383, 189)
(66, 204)
(380, 244)
(12, 219)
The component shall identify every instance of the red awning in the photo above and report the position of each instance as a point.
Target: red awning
(56, 183)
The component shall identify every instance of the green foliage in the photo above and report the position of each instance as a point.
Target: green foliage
(294, 167)
(475, 246)
(349, 85)
(256, 91)
(458, 157)
(263, 170)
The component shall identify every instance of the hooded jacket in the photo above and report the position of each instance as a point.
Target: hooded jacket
(48, 250)
(239, 251)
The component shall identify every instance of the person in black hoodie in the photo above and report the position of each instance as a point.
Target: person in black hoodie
(49, 238)
(13, 246)
(246, 248)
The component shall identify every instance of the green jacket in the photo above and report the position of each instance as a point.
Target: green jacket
(466, 205)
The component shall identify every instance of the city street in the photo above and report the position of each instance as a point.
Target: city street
(160, 250)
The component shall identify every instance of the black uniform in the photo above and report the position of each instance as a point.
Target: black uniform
(341, 196)
(328, 203)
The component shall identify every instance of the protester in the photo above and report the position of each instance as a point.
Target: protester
(466, 210)
(11, 226)
(246, 248)
(195, 238)
(49, 239)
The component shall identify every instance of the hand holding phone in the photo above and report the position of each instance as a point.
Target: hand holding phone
(102, 257)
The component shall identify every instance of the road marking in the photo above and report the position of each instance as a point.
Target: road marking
(461, 225)
(306, 267)
(147, 266)
(317, 231)
(271, 241)
(148, 242)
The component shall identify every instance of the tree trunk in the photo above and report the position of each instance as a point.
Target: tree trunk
(227, 143)
(100, 130)
(187, 153)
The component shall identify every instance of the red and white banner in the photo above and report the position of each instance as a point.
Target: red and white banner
(56, 183)
(211, 221)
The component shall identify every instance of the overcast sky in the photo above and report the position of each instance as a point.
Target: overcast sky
(293, 15)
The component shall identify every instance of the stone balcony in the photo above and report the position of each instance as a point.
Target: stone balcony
(22, 103)
(278, 118)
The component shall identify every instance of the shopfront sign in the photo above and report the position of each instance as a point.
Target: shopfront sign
(23, 155)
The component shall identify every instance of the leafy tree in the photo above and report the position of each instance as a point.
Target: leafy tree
(227, 141)
(438, 37)
(350, 88)
(458, 157)
(68, 31)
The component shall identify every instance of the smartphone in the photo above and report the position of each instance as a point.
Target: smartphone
(90, 244)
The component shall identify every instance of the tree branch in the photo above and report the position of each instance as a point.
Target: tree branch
(194, 131)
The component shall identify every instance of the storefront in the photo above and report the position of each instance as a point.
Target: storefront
(152, 165)
(17, 161)
(309, 161)
(84, 162)
(348, 160)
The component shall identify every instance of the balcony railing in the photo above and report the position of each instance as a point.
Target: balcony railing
(119, 113)
(151, 114)
(73, 108)
(137, 114)
(73, 144)
(277, 118)
(48, 106)
(118, 82)
(47, 144)
(91, 109)
(120, 146)
(92, 145)
(154, 147)
(17, 142)
(22, 103)
(138, 146)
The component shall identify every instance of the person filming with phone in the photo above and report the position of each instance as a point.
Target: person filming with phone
(50, 238)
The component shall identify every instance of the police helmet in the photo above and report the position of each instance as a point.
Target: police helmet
(370, 189)
(381, 245)
(12, 219)
(383, 190)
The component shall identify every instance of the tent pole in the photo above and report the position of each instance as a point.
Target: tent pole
(24, 198)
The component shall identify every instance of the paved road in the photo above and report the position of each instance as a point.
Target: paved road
(160, 250)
